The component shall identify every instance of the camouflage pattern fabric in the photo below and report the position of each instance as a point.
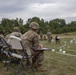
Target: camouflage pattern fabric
(49, 37)
(30, 39)
(17, 34)
(34, 25)
(41, 35)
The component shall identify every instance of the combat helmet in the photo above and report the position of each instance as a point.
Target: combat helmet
(34, 25)
(16, 29)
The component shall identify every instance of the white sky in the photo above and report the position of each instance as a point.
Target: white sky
(46, 9)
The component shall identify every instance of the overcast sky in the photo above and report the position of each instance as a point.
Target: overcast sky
(46, 9)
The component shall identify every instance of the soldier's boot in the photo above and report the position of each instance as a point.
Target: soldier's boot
(41, 68)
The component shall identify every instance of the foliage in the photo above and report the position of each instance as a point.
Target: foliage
(57, 26)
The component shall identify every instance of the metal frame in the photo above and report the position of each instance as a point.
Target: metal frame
(10, 54)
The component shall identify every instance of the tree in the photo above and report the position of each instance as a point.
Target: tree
(56, 25)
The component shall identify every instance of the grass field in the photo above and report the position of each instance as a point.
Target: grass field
(57, 63)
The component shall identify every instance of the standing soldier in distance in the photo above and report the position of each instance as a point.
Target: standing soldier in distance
(49, 37)
(57, 39)
(30, 40)
(41, 35)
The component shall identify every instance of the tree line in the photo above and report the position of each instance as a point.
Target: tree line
(57, 26)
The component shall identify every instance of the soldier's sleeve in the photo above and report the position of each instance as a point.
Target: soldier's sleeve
(36, 41)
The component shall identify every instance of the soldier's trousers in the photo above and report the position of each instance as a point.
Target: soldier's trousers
(38, 57)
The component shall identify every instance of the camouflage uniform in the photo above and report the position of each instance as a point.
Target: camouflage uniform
(30, 39)
(16, 33)
(41, 35)
(49, 37)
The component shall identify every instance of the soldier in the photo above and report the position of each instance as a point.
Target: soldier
(49, 37)
(16, 32)
(57, 39)
(30, 40)
(45, 37)
(41, 35)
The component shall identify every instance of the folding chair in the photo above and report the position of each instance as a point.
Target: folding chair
(4, 47)
(16, 44)
(5, 50)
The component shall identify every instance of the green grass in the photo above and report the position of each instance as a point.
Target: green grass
(56, 64)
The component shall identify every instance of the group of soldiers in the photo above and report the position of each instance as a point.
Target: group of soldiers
(30, 40)
(46, 37)
(49, 37)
